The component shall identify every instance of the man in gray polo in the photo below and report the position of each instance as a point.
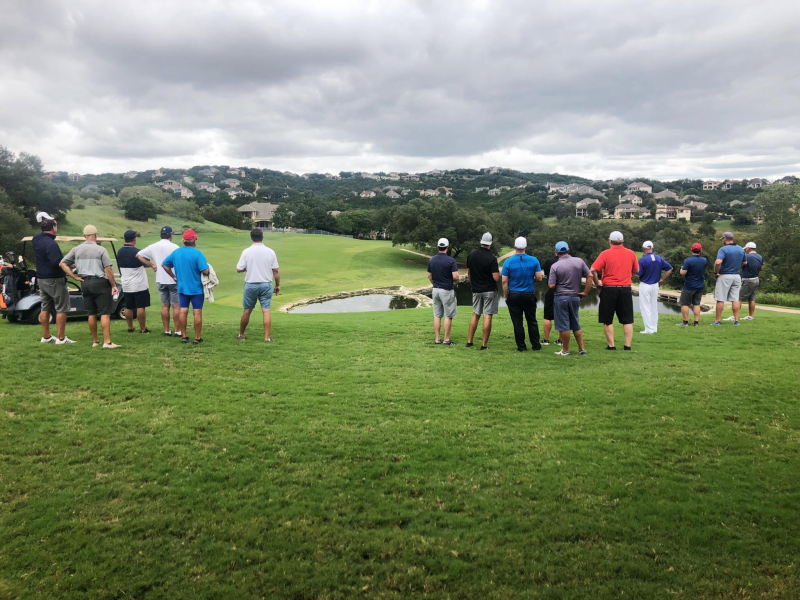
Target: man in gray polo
(442, 273)
(565, 281)
(483, 274)
(94, 270)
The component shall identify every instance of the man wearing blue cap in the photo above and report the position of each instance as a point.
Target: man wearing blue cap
(152, 257)
(565, 281)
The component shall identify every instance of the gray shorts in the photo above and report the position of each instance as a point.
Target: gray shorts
(565, 311)
(728, 287)
(692, 297)
(748, 291)
(444, 303)
(485, 303)
(54, 294)
(168, 292)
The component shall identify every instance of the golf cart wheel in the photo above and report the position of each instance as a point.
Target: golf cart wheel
(33, 316)
(119, 313)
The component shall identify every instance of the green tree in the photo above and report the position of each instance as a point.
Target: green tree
(13, 226)
(140, 209)
(707, 230)
(282, 217)
(21, 177)
(228, 215)
(593, 210)
(778, 206)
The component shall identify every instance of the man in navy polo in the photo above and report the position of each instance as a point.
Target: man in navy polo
(651, 267)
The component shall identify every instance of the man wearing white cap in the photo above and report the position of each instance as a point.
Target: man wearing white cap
(520, 272)
(442, 272)
(53, 290)
(651, 267)
(483, 274)
(751, 267)
(617, 264)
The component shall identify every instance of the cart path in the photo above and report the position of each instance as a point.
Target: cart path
(707, 299)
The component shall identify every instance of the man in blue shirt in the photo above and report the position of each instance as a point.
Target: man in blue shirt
(442, 272)
(753, 263)
(726, 269)
(189, 265)
(694, 270)
(651, 267)
(520, 272)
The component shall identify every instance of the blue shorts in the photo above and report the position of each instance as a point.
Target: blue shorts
(565, 311)
(195, 299)
(257, 291)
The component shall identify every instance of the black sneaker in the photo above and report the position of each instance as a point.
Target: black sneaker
(167, 334)
(196, 342)
(558, 342)
(611, 347)
(146, 330)
(131, 330)
(626, 348)
(484, 347)
(537, 348)
(176, 334)
(470, 344)
(696, 323)
(438, 342)
(185, 341)
(583, 353)
(545, 342)
(522, 348)
(449, 343)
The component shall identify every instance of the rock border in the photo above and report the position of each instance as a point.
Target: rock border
(394, 290)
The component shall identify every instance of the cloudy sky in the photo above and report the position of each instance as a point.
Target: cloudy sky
(667, 89)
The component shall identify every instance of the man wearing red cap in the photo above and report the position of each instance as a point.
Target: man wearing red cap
(189, 265)
(694, 270)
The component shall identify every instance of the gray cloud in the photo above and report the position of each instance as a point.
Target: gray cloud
(664, 89)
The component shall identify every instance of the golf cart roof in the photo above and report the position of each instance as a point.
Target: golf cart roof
(73, 238)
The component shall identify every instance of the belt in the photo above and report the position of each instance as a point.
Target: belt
(85, 277)
(617, 286)
(749, 278)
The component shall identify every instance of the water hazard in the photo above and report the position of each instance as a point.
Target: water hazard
(366, 303)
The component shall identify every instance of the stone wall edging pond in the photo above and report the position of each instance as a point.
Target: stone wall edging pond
(394, 290)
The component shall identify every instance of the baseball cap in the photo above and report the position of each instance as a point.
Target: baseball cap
(189, 235)
(166, 230)
(130, 235)
(443, 243)
(697, 247)
(486, 239)
(616, 236)
(90, 230)
(727, 236)
(648, 244)
(562, 247)
(43, 216)
(750, 245)
(520, 243)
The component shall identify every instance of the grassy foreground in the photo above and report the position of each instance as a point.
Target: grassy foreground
(352, 458)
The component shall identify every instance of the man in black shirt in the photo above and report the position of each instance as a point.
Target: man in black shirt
(51, 280)
(483, 274)
(549, 299)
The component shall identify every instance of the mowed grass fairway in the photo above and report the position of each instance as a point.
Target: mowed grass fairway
(353, 458)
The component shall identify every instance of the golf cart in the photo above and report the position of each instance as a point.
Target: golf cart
(20, 291)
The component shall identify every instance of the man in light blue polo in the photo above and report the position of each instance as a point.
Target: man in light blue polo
(729, 282)
(565, 281)
(261, 267)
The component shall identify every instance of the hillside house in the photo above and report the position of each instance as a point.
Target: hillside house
(729, 183)
(711, 185)
(555, 188)
(392, 194)
(435, 173)
(756, 183)
(169, 184)
(183, 192)
(74, 176)
(187, 179)
(478, 190)
(209, 172)
(788, 180)
(367, 194)
(231, 182)
(238, 172)
(409, 177)
(494, 192)
(234, 192)
(666, 194)
(158, 173)
(696, 204)
(673, 213)
(629, 211)
(260, 213)
(90, 188)
(630, 199)
(207, 187)
(582, 207)
(617, 181)
(131, 174)
(638, 186)
(735, 203)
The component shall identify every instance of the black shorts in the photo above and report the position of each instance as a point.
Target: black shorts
(97, 296)
(135, 300)
(691, 297)
(549, 304)
(616, 300)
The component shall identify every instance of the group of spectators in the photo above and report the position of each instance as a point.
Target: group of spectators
(569, 279)
(184, 280)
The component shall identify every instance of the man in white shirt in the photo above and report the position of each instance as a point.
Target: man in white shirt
(261, 266)
(152, 257)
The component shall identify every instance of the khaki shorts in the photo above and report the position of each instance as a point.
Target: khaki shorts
(444, 303)
(728, 287)
(748, 291)
(485, 303)
(54, 294)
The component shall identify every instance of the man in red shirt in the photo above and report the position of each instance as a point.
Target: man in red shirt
(617, 263)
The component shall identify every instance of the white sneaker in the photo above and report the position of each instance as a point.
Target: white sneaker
(49, 340)
(647, 332)
(110, 346)
(66, 340)
(749, 318)
(561, 353)
(729, 318)
(95, 344)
